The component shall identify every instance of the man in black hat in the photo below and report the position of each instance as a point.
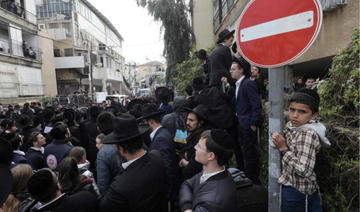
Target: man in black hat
(203, 60)
(196, 124)
(140, 185)
(248, 109)
(162, 141)
(220, 59)
(213, 189)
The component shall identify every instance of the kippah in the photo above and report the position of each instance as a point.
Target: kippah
(222, 138)
(304, 96)
(308, 93)
(41, 183)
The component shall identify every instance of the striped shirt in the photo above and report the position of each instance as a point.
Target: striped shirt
(299, 162)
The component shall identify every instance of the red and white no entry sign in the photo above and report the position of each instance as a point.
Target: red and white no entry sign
(274, 33)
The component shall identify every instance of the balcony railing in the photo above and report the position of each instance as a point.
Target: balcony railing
(18, 10)
(16, 48)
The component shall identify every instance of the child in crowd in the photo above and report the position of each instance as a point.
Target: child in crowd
(79, 154)
(303, 137)
(98, 139)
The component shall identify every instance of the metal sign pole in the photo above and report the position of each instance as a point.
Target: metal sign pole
(276, 99)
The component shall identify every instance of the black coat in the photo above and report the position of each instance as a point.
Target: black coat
(193, 167)
(89, 131)
(140, 187)
(221, 112)
(35, 158)
(220, 60)
(217, 194)
(82, 201)
(163, 142)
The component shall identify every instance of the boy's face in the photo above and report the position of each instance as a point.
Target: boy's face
(309, 83)
(300, 114)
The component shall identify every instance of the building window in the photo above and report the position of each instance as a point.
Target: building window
(68, 52)
(57, 53)
(221, 10)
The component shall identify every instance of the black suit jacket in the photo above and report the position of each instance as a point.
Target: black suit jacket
(163, 142)
(248, 104)
(138, 188)
(220, 60)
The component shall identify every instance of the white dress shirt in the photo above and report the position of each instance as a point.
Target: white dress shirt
(238, 82)
(205, 176)
(152, 134)
(127, 164)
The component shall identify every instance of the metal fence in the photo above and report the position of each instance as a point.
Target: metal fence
(76, 99)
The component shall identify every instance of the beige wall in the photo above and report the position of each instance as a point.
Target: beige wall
(335, 33)
(203, 23)
(48, 65)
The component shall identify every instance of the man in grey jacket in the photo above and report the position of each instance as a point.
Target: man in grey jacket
(107, 161)
(213, 189)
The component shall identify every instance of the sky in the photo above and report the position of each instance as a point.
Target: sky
(142, 39)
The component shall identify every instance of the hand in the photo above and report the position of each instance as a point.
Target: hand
(184, 162)
(224, 80)
(279, 141)
(253, 128)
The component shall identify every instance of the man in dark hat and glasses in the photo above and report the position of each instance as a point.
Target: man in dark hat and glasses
(140, 185)
(220, 59)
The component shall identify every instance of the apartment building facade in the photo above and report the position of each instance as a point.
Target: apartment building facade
(86, 45)
(20, 55)
(151, 74)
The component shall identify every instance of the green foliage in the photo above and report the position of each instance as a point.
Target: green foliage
(338, 166)
(339, 93)
(186, 71)
(173, 15)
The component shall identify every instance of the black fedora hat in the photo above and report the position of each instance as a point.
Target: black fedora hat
(225, 34)
(162, 94)
(125, 128)
(201, 111)
(150, 110)
(201, 54)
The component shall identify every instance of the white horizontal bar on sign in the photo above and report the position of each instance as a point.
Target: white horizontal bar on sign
(282, 25)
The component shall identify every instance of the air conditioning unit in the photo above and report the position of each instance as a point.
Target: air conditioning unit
(329, 5)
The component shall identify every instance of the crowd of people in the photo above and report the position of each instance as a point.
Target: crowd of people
(163, 153)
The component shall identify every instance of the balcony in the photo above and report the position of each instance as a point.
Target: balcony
(12, 51)
(18, 14)
(69, 62)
